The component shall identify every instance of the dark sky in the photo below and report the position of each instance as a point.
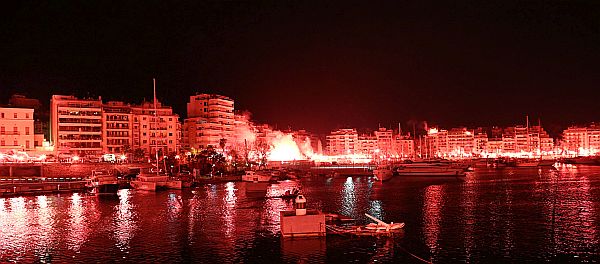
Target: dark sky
(317, 65)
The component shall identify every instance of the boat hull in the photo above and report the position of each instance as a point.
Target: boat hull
(143, 185)
(112, 189)
(383, 174)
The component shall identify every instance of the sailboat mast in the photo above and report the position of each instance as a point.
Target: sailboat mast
(155, 122)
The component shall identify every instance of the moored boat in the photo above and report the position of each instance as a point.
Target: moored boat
(429, 170)
(256, 176)
(103, 182)
(383, 173)
(149, 181)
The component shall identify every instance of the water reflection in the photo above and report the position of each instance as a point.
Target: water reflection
(229, 211)
(78, 230)
(494, 215)
(348, 206)
(432, 210)
(125, 220)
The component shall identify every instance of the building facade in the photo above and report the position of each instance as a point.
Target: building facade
(342, 142)
(117, 129)
(16, 129)
(155, 129)
(76, 125)
(210, 121)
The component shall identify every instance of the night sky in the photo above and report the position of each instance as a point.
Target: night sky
(317, 65)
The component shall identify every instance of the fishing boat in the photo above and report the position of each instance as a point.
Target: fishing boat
(383, 173)
(103, 182)
(256, 176)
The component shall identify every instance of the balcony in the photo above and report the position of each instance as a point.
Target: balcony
(10, 133)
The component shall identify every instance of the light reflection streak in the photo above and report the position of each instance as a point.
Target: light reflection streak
(574, 223)
(432, 209)
(468, 204)
(78, 230)
(229, 211)
(45, 226)
(125, 220)
(348, 206)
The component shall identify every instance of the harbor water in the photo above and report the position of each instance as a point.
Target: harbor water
(511, 215)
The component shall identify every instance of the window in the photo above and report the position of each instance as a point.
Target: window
(144, 126)
(16, 130)
(27, 115)
(15, 143)
(170, 134)
(2, 115)
(144, 135)
(170, 119)
(145, 141)
(205, 103)
(27, 144)
(2, 143)
(170, 141)
(144, 118)
(15, 115)
(205, 110)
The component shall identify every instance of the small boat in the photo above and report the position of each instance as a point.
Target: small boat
(102, 182)
(256, 176)
(149, 181)
(383, 173)
(382, 225)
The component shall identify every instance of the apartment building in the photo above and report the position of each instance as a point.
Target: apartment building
(155, 128)
(117, 129)
(342, 142)
(76, 125)
(210, 121)
(16, 129)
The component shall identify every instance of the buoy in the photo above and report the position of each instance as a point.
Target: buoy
(300, 205)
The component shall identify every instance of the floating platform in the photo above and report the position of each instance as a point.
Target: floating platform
(310, 225)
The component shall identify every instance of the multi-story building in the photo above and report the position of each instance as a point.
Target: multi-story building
(404, 146)
(41, 115)
(16, 129)
(210, 121)
(342, 142)
(117, 129)
(461, 142)
(155, 128)
(579, 140)
(384, 141)
(367, 145)
(435, 143)
(481, 140)
(76, 125)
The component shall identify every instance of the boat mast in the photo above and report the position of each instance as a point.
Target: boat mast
(155, 122)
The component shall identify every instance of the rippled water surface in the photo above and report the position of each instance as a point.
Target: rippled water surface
(510, 215)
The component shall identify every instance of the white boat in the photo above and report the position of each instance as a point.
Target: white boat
(382, 225)
(256, 176)
(152, 181)
(383, 173)
(527, 163)
(103, 182)
(429, 170)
